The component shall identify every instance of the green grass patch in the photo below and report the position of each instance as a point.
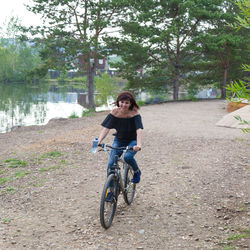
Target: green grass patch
(3, 180)
(88, 113)
(63, 162)
(6, 220)
(245, 230)
(11, 190)
(239, 236)
(15, 163)
(20, 175)
(48, 169)
(73, 115)
(3, 171)
(51, 154)
(38, 184)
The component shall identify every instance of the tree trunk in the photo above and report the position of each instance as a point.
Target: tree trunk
(224, 84)
(176, 84)
(91, 73)
(176, 89)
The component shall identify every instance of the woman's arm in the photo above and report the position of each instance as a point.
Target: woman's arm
(103, 134)
(139, 139)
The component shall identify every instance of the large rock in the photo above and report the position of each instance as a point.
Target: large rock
(230, 121)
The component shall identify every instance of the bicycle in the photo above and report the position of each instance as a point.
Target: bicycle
(114, 185)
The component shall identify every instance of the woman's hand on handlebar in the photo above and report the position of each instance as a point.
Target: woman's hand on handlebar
(137, 148)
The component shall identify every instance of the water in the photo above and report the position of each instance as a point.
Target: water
(25, 104)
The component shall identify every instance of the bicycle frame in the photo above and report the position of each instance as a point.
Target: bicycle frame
(115, 169)
(123, 184)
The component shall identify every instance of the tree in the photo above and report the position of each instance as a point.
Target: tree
(243, 19)
(224, 48)
(73, 28)
(5, 64)
(165, 33)
(17, 58)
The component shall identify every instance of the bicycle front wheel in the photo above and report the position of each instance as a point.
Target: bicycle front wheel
(108, 201)
(129, 186)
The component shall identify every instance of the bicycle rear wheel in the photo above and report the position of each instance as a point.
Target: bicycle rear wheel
(108, 202)
(129, 186)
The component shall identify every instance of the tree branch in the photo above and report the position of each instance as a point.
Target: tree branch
(188, 33)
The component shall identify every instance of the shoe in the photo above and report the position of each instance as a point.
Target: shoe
(109, 197)
(137, 177)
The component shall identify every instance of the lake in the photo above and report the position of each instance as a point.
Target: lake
(26, 104)
(35, 104)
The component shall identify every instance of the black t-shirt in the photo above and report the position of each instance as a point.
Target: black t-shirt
(125, 127)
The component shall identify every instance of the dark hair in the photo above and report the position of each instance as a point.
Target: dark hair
(126, 95)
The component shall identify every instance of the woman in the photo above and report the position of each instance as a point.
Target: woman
(127, 122)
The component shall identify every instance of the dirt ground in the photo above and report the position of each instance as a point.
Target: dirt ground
(194, 191)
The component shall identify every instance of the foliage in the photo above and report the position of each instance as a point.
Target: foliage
(105, 87)
(159, 40)
(243, 20)
(5, 65)
(243, 122)
(224, 49)
(241, 89)
(80, 79)
(141, 103)
(72, 34)
(18, 59)
(63, 77)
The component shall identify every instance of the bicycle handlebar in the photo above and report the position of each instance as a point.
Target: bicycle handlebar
(116, 148)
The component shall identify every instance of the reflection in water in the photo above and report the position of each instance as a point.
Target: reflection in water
(24, 104)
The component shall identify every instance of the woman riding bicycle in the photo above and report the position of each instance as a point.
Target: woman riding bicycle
(128, 124)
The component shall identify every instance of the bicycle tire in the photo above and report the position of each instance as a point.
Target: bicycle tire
(107, 208)
(129, 186)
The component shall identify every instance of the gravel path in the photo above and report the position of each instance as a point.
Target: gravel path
(194, 192)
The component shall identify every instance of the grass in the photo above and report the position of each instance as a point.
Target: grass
(88, 113)
(48, 169)
(73, 115)
(6, 220)
(243, 208)
(239, 236)
(63, 162)
(245, 233)
(51, 154)
(15, 163)
(2, 171)
(20, 175)
(3, 180)
(38, 184)
(11, 190)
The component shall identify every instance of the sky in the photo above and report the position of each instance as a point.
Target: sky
(16, 8)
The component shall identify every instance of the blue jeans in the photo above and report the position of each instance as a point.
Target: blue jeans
(128, 157)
